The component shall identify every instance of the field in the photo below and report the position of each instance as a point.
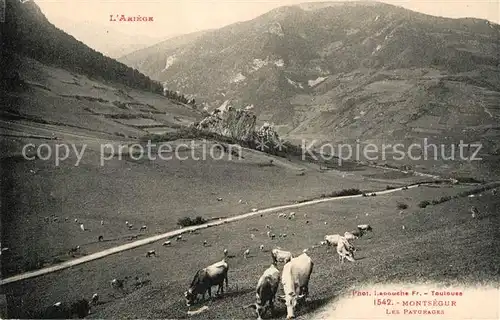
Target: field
(423, 251)
(41, 200)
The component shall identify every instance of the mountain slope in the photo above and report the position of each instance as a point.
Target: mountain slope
(27, 32)
(345, 71)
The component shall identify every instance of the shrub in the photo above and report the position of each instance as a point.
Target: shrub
(389, 188)
(187, 221)
(424, 204)
(345, 192)
(402, 205)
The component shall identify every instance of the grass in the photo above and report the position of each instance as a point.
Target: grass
(389, 254)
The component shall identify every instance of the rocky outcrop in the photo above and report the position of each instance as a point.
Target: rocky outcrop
(236, 124)
(240, 125)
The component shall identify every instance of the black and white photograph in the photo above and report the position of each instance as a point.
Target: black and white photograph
(250, 159)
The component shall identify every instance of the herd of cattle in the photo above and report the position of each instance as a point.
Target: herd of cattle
(294, 277)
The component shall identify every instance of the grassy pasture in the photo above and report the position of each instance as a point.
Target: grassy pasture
(440, 242)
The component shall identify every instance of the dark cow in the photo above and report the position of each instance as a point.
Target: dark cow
(205, 278)
(266, 289)
(80, 308)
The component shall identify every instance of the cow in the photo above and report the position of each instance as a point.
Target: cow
(295, 280)
(332, 239)
(150, 253)
(350, 236)
(356, 233)
(279, 255)
(345, 251)
(266, 289)
(364, 227)
(100, 238)
(204, 279)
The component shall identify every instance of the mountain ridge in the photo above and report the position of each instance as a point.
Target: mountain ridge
(345, 71)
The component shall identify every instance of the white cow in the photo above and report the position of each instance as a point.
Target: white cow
(266, 289)
(279, 255)
(332, 239)
(345, 251)
(349, 236)
(295, 280)
(364, 227)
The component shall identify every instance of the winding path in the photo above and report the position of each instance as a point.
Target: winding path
(138, 243)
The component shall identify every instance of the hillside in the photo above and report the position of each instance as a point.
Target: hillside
(338, 72)
(28, 33)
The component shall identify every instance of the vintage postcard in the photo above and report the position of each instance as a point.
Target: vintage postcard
(250, 159)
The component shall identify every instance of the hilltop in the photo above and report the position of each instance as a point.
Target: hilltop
(338, 72)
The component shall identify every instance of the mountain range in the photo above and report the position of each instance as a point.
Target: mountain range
(344, 72)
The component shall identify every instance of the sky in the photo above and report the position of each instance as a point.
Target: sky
(89, 20)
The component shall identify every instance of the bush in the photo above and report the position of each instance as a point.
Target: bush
(389, 188)
(187, 221)
(402, 206)
(424, 204)
(345, 192)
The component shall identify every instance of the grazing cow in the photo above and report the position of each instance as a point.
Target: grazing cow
(332, 239)
(273, 236)
(95, 299)
(204, 279)
(268, 227)
(357, 233)
(102, 222)
(117, 284)
(79, 309)
(364, 227)
(219, 199)
(150, 253)
(143, 228)
(246, 253)
(82, 227)
(269, 234)
(73, 250)
(225, 253)
(281, 215)
(291, 215)
(266, 289)
(205, 243)
(349, 236)
(279, 255)
(474, 212)
(100, 238)
(345, 251)
(76, 220)
(261, 247)
(179, 238)
(167, 243)
(130, 226)
(295, 280)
